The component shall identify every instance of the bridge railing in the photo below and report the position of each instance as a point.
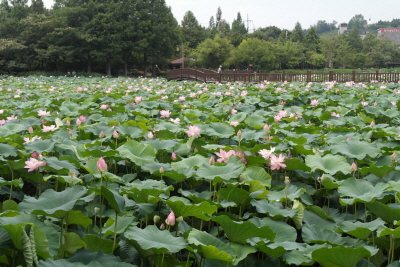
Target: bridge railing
(207, 76)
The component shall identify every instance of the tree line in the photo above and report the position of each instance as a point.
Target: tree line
(113, 37)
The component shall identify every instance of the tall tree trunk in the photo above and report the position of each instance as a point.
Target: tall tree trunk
(154, 70)
(126, 66)
(108, 67)
(145, 65)
(89, 64)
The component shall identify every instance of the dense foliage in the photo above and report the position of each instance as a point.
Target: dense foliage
(124, 172)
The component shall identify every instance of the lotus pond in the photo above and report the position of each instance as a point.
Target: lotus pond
(145, 172)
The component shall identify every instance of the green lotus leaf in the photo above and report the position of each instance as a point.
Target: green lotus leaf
(72, 242)
(16, 182)
(391, 113)
(40, 146)
(329, 182)
(46, 237)
(283, 231)
(296, 164)
(203, 210)
(161, 144)
(290, 192)
(359, 229)
(137, 152)
(380, 171)
(257, 174)
(242, 251)
(340, 256)
(240, 116)
(55, 204)
(275, 210)
(114, 199)
(57, 164)
(354, 190)
(330, 163)
(132, 131)
(93, 243)
(211, 247)
(240, 231)
(219, 129)
(70, 109)
(388, 213)
(255, 122)
(229, 171)
(7, 150)
(11, 128)
(77, 217)
(314, 234)
(276, 250)
(237, 195)
(356, 149)
(193, 161)
(123, 222)
(157, 240)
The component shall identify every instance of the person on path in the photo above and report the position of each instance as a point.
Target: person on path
(220, 69)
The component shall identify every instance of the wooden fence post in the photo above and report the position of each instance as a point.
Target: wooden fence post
(377, 75)
(308, 77)
(283, 76)
(330, 76)
(353, 76)
(219, 77)
(234, 76)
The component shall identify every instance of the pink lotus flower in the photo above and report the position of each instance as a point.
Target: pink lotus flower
(50, 128)
(150, 135)
(224, 156)
(174, 156)
(266, 154)
(233, 111)
(170, 219)
(234, 123)
(104, 106)
(82, 118)
(43, 113)
(363, 103)
(334, 114)
(165, 113)
(353, 167)
(276, 162)
(115, 134)
(193, 131)
(30, 130)
(211, 161)
(101, 165)
(101, 135)
(33, 164)
(177, 120)
(78, 122)
(266, 128)
(35, 155)
(314, 102)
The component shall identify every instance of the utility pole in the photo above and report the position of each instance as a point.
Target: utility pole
(248, 22)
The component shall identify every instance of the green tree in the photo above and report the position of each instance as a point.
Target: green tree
(192, 32)
(213, 52)
(323, 27)
(254, 51)
(354, 40)
(238, 25)
(358, 22)
(328, 49)
(297, 34)
(312, 40)
(289, 54)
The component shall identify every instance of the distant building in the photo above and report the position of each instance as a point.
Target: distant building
(343, 30)
(393, 34)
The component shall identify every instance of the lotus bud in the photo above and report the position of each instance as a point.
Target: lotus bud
(266, 127)
(96, 210)
(35, 155)
(211, 161)
(239, 134)
(150, 135)
(174, 156)
(68, 123)
(82, 118)
(101, 135)
(162, 226)
(115, 134)
(156, 218)
(161, 170)
(71, 132)
(372, 124)
(241, 179)
(101, 165)
(179, 219)
(78, 122)
(287, 180)
(170, 219)
(30, 130)
(72, 174)
(394, 157)
(353, 167)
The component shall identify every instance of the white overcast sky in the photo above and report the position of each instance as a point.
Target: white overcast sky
(284, 13)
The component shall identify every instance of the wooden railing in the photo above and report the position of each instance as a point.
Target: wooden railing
(209, 76)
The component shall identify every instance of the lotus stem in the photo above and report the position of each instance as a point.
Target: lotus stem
(115, 232)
